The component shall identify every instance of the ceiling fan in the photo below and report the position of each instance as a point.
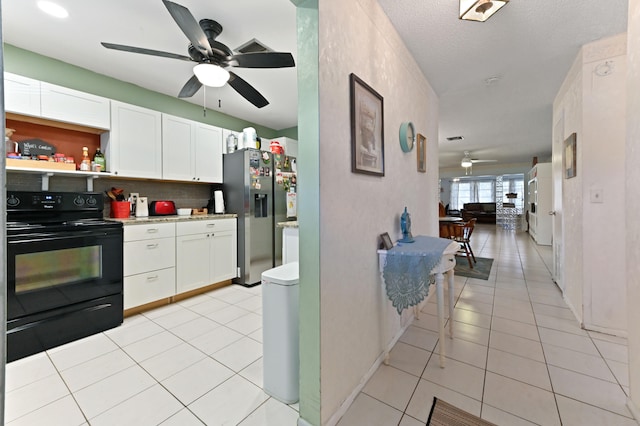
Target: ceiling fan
(212, 57)
(468, 162)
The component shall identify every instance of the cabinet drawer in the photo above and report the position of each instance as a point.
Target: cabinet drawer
(148, 255)
(204, 226)
(149, 231)
(148, 287)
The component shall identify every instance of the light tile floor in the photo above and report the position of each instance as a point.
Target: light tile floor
(518, 358)
(195, 362)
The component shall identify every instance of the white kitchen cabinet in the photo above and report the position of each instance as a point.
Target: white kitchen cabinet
(148, 263)
(191, 151)
(133, 147)
(178, 148)
(72, 106)
(206, 253)
(208, 153)
(21, 95)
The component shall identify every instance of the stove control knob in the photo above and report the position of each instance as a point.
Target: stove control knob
(78, 201)
(92, 201)
(13, 201)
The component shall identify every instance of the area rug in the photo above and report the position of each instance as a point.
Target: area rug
(481, 269)
(445, 414)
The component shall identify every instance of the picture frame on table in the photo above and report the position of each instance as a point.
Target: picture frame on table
(569, 157)
(421, 153)
(367, 128)
(387, 244)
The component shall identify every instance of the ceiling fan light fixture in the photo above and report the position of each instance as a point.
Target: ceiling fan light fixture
(211, 75)
(466, 162)
(480, 10)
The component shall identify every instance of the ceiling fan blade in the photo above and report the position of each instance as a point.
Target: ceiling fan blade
(190, 87)
(145, 51)
(263, 60)
(247, 91)
(189, 26)
(483, 161)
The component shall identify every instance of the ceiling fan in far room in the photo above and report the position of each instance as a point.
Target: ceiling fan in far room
(212, 57)
(468, 162)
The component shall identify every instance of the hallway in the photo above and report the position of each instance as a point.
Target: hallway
(518, 356)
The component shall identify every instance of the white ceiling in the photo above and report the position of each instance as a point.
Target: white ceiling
(529, 45)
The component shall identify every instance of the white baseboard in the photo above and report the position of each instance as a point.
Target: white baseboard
(634, 410)
(333, 420)
(576, 313)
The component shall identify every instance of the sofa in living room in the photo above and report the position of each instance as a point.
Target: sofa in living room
(484, 212)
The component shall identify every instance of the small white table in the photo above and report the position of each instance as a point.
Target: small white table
(445, 266)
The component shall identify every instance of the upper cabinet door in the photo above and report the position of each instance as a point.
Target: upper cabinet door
(178, 148)
(134, 145)
(208, 153)
(21, 95)
(72, 106)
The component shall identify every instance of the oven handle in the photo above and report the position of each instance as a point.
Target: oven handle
(51, 236)
(36, 323)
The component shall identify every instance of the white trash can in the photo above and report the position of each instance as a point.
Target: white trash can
(280, 340)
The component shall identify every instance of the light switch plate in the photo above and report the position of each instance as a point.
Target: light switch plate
(596, 195)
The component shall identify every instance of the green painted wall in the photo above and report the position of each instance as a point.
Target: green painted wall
(308, 135)
(291, 132)
(39, 67)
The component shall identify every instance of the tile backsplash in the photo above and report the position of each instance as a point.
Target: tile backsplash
(185, 195)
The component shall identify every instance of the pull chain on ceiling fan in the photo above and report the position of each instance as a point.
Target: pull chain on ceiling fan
(212, 57)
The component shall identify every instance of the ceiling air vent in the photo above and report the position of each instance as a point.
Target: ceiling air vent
(455, 138)
(253, 46)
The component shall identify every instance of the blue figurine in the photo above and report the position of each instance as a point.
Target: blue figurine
(405, 225)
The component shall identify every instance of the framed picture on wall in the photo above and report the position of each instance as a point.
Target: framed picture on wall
(569, 157)
(367, 128)
(421, 152)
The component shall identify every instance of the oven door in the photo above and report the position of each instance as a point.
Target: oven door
(49, 270)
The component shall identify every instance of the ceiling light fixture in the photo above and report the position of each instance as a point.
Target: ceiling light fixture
(211, 75)
(479, 10)
(466, 162)
(53, 9)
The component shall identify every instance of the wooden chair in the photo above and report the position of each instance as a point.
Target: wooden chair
(461, 233)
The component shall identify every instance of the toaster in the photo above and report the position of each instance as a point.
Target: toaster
(162, 208)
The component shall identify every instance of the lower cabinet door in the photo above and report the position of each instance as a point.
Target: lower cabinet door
(193, 262)
(149, 287)
(224, 256)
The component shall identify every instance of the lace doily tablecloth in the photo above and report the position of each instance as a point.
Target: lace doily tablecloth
(407, 270)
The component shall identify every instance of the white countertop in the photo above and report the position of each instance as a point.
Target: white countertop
(171, 218)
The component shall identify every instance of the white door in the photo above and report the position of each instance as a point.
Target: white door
(556, 191)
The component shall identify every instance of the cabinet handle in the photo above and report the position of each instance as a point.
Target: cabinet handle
(210, 225)
(152, 246)
(153, 278)
(152, 230)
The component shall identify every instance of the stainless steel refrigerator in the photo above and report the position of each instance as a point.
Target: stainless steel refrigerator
(249, 193)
